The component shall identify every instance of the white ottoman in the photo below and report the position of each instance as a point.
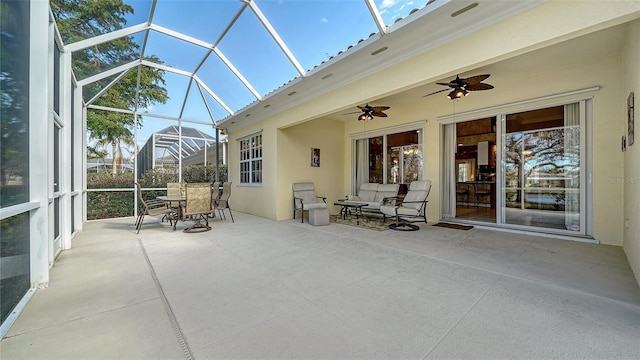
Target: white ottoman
(319, 216)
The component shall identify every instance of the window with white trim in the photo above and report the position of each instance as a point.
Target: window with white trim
(251, 159)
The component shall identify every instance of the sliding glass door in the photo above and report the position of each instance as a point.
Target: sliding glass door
(542, 162)
(538, 181)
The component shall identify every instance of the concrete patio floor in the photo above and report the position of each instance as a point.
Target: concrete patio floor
(261, 289)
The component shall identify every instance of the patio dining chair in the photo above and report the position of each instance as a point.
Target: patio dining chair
(151, 208)
(173, 189)
(413, 207)
(222, 202)
(197, 206)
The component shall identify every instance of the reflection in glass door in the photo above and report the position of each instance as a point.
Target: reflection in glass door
(541, 177)
(389, 159)
(406, 164)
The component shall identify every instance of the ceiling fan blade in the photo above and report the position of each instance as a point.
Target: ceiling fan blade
(379, 114)
(435, 92)
(365, 108)
(475, 79)
(353, 112)
(479, 86)
(450, 84)
(381, 108)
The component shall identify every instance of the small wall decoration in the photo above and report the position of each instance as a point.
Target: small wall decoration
(630, 108)
(315, 157)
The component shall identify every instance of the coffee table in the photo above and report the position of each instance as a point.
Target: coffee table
(348, 205)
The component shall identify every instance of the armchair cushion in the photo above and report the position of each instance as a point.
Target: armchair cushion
(307, 194)
(305, 198)
(413, 204)
(418, 192)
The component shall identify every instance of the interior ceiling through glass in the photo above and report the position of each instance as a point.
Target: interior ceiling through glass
(220, 56)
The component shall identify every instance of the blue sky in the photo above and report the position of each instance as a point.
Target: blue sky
(313, 30)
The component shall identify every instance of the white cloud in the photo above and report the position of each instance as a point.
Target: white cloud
(387, 3)
(324, 20)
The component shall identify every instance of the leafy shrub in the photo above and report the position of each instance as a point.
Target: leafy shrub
(201, 173)
(112, 204)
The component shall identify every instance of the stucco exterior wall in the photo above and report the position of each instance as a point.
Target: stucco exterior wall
(294, 164)
(528, 64)
(540, 75)
(257, 199)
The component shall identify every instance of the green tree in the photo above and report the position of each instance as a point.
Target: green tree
(81, 19)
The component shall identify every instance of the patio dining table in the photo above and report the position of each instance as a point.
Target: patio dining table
(177, 213)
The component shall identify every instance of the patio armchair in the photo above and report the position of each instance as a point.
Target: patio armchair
(222, 202)
(197, 205)
(151, 208)
(305, 199)
(413, 207)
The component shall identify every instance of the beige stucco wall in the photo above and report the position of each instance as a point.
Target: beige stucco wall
(294, 164)
(254, 199)
(535, 74)
(540, 74)
(632, 155)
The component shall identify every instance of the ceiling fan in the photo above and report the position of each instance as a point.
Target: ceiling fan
(461, 87)
(367, 112)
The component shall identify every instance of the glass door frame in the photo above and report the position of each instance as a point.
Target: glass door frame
(501, 112)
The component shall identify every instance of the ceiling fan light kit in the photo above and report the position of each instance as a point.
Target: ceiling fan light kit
(462, 87)
(457, 93)
(365, 116)
(367, 112)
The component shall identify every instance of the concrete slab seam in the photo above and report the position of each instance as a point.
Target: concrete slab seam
(174, 322)
(461, 318)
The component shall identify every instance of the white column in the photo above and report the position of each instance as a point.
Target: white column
(65, 142)
(39, 124)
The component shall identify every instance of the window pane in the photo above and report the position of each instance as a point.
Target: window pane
(56, 158)
(542, 168)
(14, 103)
(56, 216)
(251, 160)
(72, 121)
(56, 79)
(14, 252)
(375, 160)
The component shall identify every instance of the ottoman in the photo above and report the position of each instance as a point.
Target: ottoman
(319, 216)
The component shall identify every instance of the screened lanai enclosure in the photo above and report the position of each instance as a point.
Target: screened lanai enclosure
(97, 96)
(87, 84)
(173, 147)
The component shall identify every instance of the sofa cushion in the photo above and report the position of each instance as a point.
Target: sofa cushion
(386, 190)
(373, 205)
(368, 192)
